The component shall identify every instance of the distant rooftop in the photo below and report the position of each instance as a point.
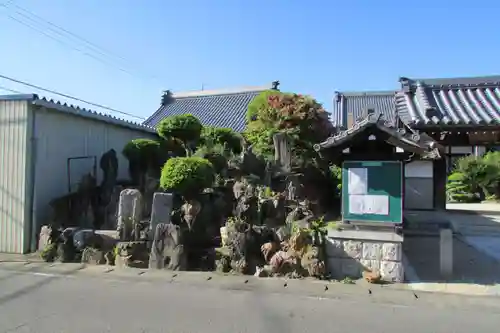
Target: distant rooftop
(221, 108)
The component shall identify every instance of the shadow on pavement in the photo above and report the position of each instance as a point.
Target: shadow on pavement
(470, 265)
(26, 290)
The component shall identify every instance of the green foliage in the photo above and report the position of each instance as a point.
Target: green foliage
(147, 153)
(259, 103)
(267, 193)
(187, 176)
(186, 128)
(459, 190)
(214, 154)
(301, 117)
(222, 136)
(336, 174)
(49, 252)
(261, 139)
(141, 149)
(474, 177)
(491, 186)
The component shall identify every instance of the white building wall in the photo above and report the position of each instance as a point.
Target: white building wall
(14, 161)
(59, 136)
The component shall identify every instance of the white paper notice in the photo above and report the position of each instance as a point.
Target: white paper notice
(356, 204)
(357, 182)
(376, 204)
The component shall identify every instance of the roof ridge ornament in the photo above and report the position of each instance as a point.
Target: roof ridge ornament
(167, 97)
(405, 84)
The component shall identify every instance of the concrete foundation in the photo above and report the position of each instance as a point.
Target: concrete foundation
(350, 252)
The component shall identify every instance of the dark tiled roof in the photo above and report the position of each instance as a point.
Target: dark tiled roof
(421, 144)
(213, 108)
(421, 103)
(450, 102)
(358, 104)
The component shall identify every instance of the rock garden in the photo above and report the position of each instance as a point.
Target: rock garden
(205, 198)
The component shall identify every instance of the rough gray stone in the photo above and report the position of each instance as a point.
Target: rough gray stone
(129, 212)
(391, 251)
(167, 252)
(391, 271)
(350, 268)
(335, 248)
(161, 209)
(353, 249)
(372, 251)
(44, 238)
(371, 265)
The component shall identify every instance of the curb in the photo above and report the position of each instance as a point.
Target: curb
(473, 212)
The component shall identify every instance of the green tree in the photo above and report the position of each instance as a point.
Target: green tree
(259, 103)
(475, 177)
(187, 176)
(186, 128)
(301, 117)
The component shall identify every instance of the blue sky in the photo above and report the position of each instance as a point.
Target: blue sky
(313, 47)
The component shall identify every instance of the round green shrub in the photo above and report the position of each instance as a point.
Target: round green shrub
(146, 153)
(139, 149)
(187, 175)
(185, 127)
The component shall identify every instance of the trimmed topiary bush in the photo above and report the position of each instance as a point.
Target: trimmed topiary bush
(142, 150)
(458, 190)
(185, 127)
(146, 155)
(187, 176)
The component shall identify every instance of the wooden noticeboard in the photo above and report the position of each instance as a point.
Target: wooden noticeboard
(372, 191)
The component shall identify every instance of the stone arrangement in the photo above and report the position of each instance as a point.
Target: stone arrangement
(350, 253)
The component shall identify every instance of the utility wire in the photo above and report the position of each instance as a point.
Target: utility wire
(69, 96)
(10, 90)
(100, 49)
(68, 45)
(52, 27)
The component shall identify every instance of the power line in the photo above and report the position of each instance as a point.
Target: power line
(53, 28)
(69, 96)
(67, 45)
(93, 45)
(10, 90)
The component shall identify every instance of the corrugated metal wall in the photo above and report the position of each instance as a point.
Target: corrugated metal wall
(60, 136)
(14, 237)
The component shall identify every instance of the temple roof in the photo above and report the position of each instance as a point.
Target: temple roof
(219, 108)
(411, 141)
(471, 102)
(463, 102)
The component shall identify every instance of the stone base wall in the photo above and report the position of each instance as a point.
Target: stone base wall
(352, 252)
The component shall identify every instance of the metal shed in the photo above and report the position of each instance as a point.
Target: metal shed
(39, 138)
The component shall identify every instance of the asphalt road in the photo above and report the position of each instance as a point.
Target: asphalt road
(45, 303)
